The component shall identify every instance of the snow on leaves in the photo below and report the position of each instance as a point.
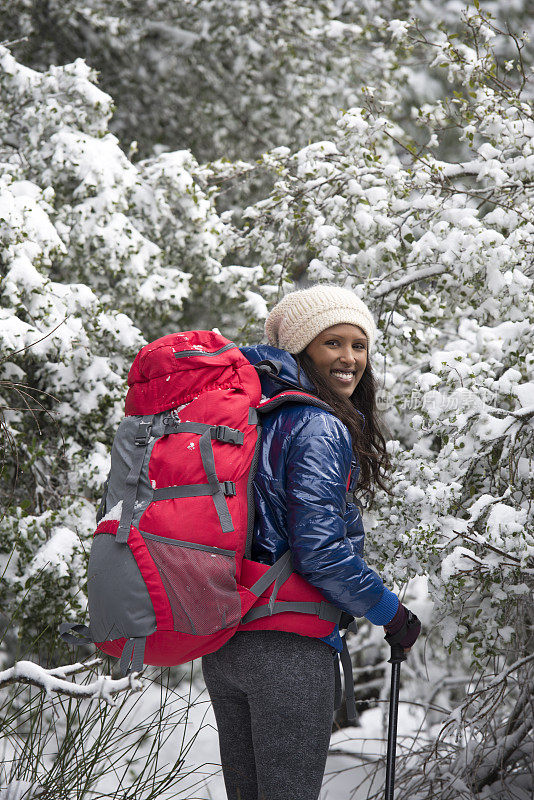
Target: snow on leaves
(97, 256)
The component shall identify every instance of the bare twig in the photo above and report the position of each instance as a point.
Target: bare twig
(12, 42)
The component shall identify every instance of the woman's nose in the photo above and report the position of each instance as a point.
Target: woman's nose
(347, 356)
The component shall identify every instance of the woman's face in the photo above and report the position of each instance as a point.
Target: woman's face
(340, 354)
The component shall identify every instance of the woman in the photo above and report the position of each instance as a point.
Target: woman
(273, 691)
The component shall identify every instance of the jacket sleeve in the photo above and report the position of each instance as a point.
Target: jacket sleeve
(318, 466)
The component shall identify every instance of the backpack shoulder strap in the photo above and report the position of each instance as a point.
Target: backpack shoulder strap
(291, 396)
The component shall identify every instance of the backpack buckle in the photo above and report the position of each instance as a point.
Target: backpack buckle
(171, 424)
(223, 433)
(143, 434)
(229, 488)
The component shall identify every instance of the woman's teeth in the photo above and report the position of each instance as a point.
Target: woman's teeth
(343, 376)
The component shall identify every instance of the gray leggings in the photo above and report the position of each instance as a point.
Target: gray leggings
(273, 697)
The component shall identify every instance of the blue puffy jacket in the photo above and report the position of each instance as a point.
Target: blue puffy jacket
(300, 494)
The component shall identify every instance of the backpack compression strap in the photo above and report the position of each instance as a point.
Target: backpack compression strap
(348, 675)
(132, 657)
(278, 574)
(142, 439)
(217, 490)
(214, 487)
(67, 631)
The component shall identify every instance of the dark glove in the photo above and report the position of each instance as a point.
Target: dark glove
(403, 629)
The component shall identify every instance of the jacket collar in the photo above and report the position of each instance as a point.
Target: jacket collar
(289, 369)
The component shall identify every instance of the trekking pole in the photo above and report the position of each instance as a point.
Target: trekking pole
(397, 657)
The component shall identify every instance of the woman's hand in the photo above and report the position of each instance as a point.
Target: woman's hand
(405, 624)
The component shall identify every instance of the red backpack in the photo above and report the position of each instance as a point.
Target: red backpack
(170, 576)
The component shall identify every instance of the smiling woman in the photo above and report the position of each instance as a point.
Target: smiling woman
(273, 688)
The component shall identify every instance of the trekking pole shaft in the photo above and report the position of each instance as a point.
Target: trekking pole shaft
(392, 731)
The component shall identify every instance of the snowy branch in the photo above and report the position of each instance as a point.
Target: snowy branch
(505, 673)
(499, 757)
(54, 681)
(412, 277)
(497, 683)
(178, 36)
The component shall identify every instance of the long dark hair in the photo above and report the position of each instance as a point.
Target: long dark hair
(368, 442)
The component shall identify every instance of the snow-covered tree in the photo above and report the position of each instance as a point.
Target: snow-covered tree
(221, 78)
(97, 256)
(235, 79)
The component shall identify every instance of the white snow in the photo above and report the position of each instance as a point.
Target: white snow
(56, 553)
(256, 304)
(525, 394)
(398, 29)
(461, 560)
(114, 513)
(504, 520)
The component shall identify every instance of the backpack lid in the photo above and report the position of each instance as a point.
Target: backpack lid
(176, 368)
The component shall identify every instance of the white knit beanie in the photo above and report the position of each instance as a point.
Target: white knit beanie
(300, 316)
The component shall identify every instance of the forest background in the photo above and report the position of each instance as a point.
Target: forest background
(177, 165)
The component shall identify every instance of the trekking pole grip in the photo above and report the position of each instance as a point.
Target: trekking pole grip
(397, 654)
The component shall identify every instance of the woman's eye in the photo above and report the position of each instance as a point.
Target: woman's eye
(357, 346)
(334, 343)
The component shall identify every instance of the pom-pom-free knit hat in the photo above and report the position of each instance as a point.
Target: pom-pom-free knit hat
(300, 316)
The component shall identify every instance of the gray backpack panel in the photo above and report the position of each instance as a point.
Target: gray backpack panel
(118, 607)
(122, 456)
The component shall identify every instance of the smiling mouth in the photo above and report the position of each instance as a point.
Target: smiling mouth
(343, 375)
